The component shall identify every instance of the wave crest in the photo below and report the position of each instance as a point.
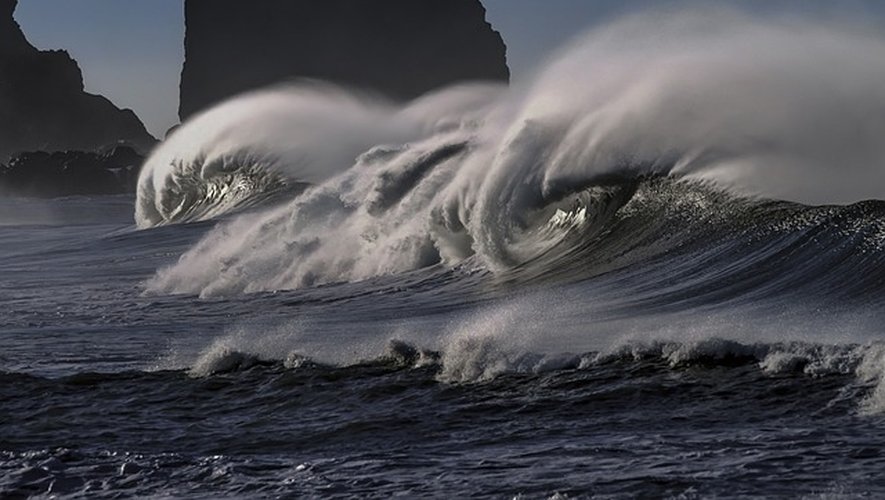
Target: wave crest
(780, 108)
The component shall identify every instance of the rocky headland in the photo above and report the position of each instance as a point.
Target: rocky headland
(397, 48)
(45, 108)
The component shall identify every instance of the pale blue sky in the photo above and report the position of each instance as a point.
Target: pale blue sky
(131, 50)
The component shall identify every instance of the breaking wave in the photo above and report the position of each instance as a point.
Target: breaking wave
(700, 187)
(245, 150)
(782, 109)
(477, 360)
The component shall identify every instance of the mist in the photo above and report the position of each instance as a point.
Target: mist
(781, 108)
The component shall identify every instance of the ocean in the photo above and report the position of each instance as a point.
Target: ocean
(654, 271)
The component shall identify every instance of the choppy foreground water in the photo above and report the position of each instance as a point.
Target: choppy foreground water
(444, 382)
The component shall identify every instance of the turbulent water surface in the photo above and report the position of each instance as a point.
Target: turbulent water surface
(657, 270)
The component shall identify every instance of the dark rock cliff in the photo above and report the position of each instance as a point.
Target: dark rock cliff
(399, 48)
(43, 106)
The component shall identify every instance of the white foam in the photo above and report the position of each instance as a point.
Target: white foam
(786, 108)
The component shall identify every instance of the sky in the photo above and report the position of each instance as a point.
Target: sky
(131, 51)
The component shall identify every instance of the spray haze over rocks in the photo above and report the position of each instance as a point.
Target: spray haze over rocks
(395, 48)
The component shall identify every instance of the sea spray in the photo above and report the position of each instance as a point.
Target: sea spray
(787, 108)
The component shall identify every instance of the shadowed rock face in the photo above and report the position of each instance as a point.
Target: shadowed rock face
(399, 48)
(43, 106)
